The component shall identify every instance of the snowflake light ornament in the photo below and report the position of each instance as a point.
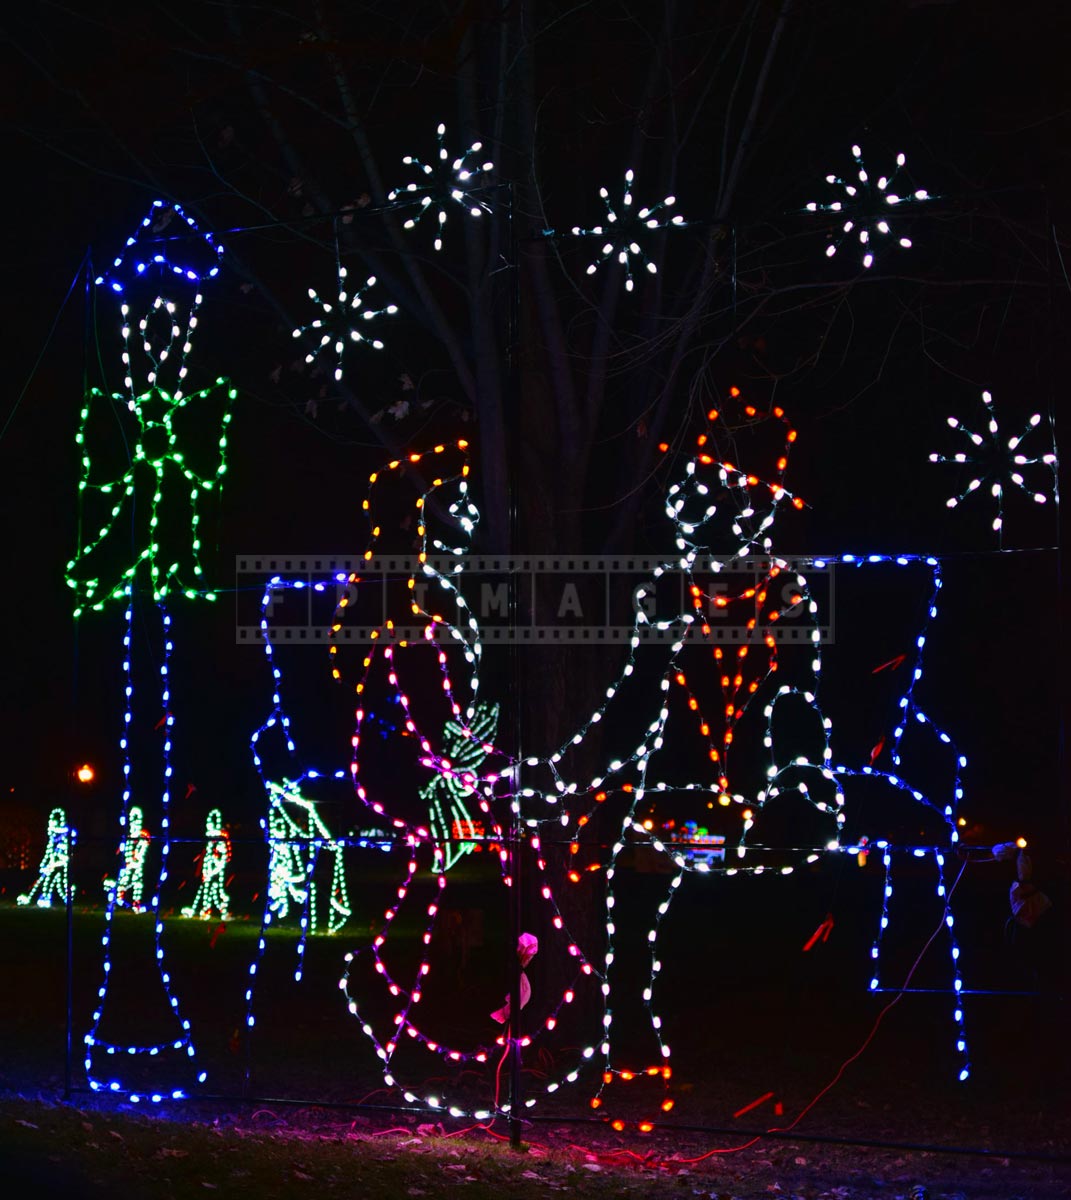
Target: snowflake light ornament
(448, 182)
(997, 462)
(621, 231)
(336, 327)
(865, 208)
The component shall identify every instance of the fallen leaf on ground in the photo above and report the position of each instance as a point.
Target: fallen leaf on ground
(28, 1124)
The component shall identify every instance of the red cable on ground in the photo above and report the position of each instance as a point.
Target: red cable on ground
(649, 1160)
(502, 1137)
(754, 1104)
(498, 1070)
(461, 1132)
(851, 1058)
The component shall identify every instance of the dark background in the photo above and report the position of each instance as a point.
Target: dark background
(107, 107)
(97, 112)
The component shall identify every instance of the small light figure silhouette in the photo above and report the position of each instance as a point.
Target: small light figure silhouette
(212, 893)
(51, 882)
(127, 890)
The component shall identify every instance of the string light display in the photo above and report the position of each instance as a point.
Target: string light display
(153, 511)
(297, 835)
(165, 474)
(866, 209)
(51, 882)
(721, 516)
(473, 726)
(337, 326)
(158, 465)
(449, 818)
(211, 897)
(130, 822)
(624, 228)
(964, 1068)
(447, 183)
(145, 258)
(160, 480)
(1000, 463)
(127, 889)
(715, 501)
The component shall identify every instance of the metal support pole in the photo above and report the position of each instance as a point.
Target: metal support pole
(70, 964)
(515, 1098)
(1057, 985)
(516, 826)
(87, 318)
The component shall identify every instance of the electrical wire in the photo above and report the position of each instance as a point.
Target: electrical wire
(857, 1053)
(47, 343)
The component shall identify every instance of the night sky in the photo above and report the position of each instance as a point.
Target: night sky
(974, 93)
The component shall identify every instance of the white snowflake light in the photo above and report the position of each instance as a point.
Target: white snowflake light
(622, 229)
(448, 182)
(997, 462)
(865, 209)
(336, 325)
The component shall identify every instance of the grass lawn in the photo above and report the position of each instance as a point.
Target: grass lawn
(287, 1114)
(106, 1150)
